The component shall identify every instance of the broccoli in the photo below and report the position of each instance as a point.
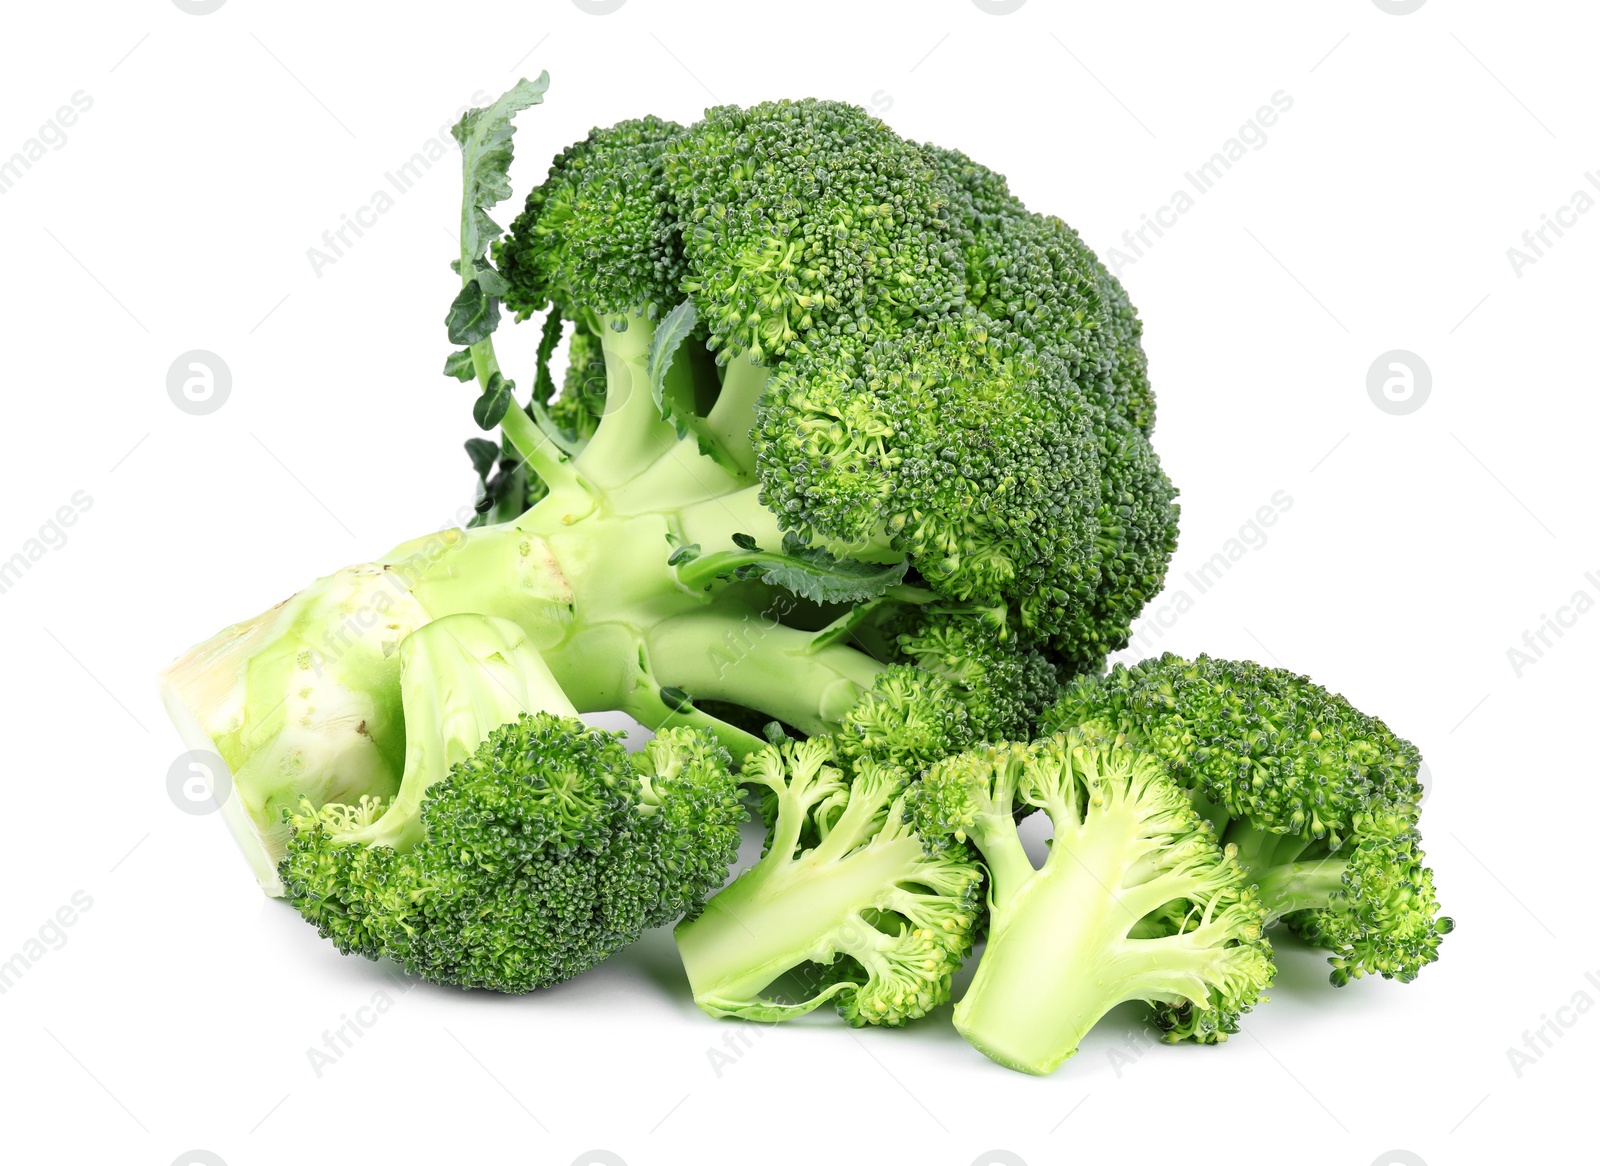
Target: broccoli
(846, 903)
(523, 847)
(835, 404)
(1135, 901)
(1320, 800)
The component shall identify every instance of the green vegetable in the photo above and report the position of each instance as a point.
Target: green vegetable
(846, 903)
(1320, 800)
(522, 847)
(835, 403)
(1134, 902)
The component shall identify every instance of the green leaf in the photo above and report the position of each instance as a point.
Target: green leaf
(484, 453)
(684, 554)
(474, 315)
(459, 365)
(670, 332)
(745, 541)
(812, 573)
(544, 385)
(485, 139)
(488, 409)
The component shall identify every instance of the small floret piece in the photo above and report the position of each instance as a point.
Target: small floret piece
(1134, 902)
(846, 904)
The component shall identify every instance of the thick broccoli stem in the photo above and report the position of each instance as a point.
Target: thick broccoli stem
(712, 523)
(747, 658)
(1284, 884)
(1298, 886)
(462, 677)
(631, 435)
(785, 913)
(1060, 955)
(304, 700)
(729, 421)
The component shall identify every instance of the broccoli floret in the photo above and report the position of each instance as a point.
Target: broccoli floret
(1003, 684)
(846, 903)
(523, 847)
(596, 238)
(807, 216)
(1320, 800)
(980, 463)
(1135, 901)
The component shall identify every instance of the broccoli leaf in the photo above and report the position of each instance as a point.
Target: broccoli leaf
(484, 453)
(671, 332)
(485, 139)
(488, 409)
(812, 573)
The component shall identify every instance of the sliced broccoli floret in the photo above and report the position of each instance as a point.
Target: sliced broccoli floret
(1320, 799)
(846, 904)
(1135, 901)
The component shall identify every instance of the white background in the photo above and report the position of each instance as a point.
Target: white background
(178, 1011)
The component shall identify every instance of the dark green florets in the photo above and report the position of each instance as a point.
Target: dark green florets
(978, 461)
(1320, 799)
(1003, 684)
(910, 718)
(953, 376)
(1384, 919)
(597, 236)
(1138, 531)
(808, 220)
(542, 853)
(1264, 743)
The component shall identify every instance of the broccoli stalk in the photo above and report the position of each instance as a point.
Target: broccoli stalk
(845, 889)
(1134, 902)
(523, 847)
